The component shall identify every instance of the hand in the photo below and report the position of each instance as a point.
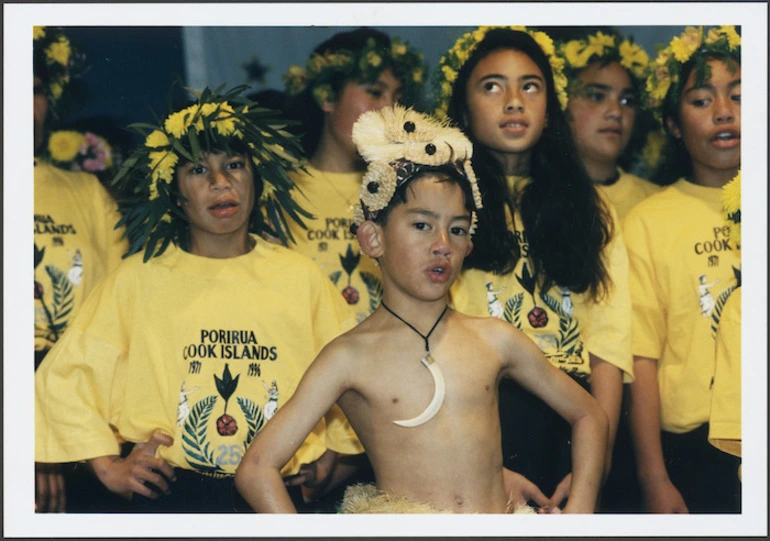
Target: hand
(49, 488)
(126, 476)
(315, 476)
(561, 493)
(521, 490)
(663, 497)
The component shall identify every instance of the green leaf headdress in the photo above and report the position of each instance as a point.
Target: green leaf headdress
(364, 65)
(223, 122)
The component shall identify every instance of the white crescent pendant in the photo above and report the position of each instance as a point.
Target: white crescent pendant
(438, 395)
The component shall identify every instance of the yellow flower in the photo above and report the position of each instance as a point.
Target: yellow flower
(733, 38)
(731, 195)
(398, 49)
(59, 51)
(633, 57)
(166, 217)
(572, 52)
(545, 42)
(449, 73)
(600, 41)
(56, 90)
(417, 75)
(373, 59)
(685, 45)
(653, 147)
(153, 189)
(65, 145)
(177, 123)
(446, 88)
(156, 139)
(38, 32)
(162, 165)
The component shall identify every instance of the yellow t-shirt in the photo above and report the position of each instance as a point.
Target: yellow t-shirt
(205, 349)
(328, 241)
(565, 325)
(627, 191)
(725, 419)
(76, 246)
(683, 267)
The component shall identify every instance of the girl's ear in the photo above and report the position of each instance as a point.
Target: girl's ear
(673, 128)
(369, 236)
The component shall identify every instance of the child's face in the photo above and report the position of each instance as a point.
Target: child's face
(710, 120)
(506, 102)
(601, 113)
(426, 239)
(356, 99)
(220, 195)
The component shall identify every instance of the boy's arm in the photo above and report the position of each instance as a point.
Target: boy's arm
(607, 389)
(531, 369)
(660, 494)
(258, 476)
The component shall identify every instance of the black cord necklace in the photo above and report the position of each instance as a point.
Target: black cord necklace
(429, 363)
(405, 322)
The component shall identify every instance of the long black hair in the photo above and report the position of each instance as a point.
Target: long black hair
(566, 223)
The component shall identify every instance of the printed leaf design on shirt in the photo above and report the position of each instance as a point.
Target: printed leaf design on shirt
(194, 437)
(537, 316)
(226, 425)
(335, 277)
(255, 419)
(513, 309)
(569, 336)
(373, 287)
(63, 300)
(349, 262)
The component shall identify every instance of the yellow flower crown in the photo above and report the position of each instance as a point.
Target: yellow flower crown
(605, 48)
(365, 65)
(665, 71)
(62, 61)
(731, 205)
(78, 151)
(451, 63)
(223, 122)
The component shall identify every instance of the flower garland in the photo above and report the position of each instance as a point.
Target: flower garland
(451, 63)
(366, 65)
(62, 60)
(605, 48)
(152, 216)
(77, 151)
(731, 205)
(664, 73)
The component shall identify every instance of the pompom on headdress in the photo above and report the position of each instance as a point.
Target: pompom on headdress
(400, 143)
(664, 74)
(364, 65)
(216, 122)
(54, 54)
(451, 63)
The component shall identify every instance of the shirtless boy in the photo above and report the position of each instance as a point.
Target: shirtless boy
(413, 354)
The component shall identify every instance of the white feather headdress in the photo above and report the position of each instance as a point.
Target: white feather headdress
(399, 143)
